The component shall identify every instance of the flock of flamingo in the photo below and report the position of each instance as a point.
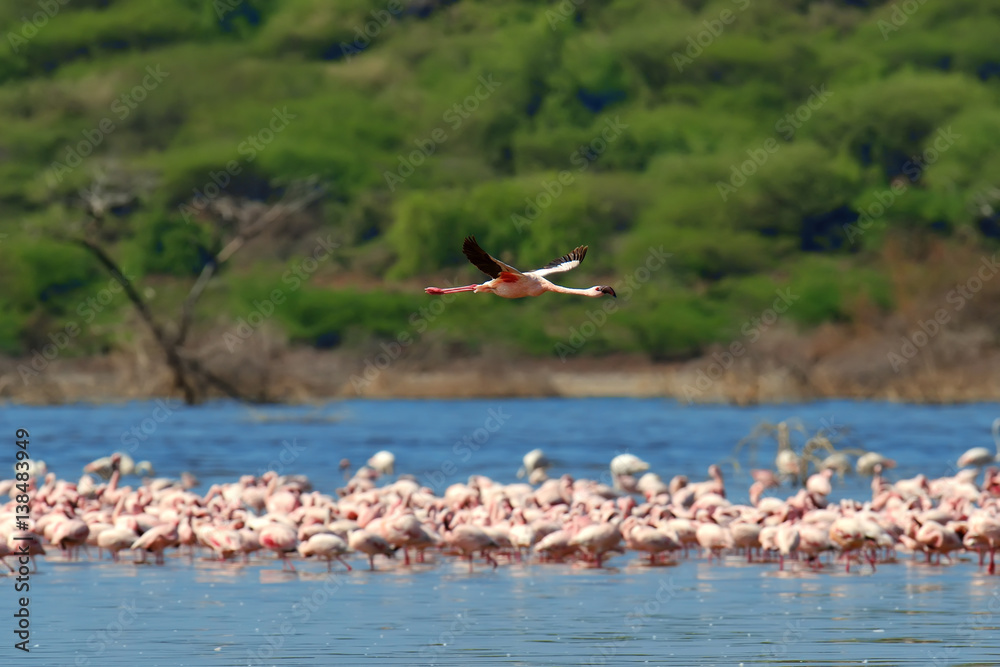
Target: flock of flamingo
(544, 520)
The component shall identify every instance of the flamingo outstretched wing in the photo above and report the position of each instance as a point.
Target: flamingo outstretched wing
(569, 261)
(485, 262)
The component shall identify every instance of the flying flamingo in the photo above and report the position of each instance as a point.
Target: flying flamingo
(510, 283)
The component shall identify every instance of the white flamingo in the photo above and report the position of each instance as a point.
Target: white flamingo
(977, 457)
(383, 462)
(533, 462)
(867, 462)
(510, 283)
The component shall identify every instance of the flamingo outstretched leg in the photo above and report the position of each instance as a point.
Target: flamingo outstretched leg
(449, 290)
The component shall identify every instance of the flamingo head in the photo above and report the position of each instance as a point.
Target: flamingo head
(677, 483)
(602, 290)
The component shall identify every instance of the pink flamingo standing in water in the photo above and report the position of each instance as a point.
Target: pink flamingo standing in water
(510, 283)
(158, 539)
(281, 539)
(370, 544)
(326, 546)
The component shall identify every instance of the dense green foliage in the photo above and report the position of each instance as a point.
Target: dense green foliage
(743, 138)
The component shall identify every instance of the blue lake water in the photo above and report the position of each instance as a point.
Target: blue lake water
(206, 613)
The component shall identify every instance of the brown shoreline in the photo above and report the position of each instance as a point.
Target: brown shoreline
(788, 369)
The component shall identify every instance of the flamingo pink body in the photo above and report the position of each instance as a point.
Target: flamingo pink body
(510, 283)
(597, 540)
(469, 539)
(370, 544)
(116, 539)
(647, 539)
(70, 534)
(157, 540)
(326, 546)
(564, 519)
(281, 539)
(846, 533)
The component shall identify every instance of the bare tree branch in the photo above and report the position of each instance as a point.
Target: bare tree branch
(253, 218)
(247, 231)
(169, 349)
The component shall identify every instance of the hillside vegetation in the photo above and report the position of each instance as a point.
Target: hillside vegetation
(841, 153)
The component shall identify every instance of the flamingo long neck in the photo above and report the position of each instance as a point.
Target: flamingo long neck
(570, 290)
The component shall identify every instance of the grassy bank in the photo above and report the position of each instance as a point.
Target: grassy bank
(840, 152)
